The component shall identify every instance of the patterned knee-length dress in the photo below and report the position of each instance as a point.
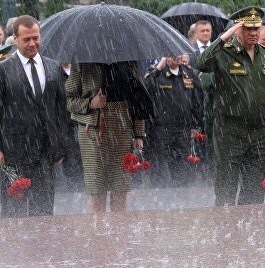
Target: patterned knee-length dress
(101, 158)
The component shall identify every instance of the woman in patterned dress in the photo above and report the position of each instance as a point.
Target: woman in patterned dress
(110, 103)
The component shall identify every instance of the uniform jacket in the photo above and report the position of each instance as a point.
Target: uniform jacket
(239, 93)
(177, 101)
(22, 119)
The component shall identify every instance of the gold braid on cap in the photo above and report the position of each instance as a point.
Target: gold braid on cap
(253, 20)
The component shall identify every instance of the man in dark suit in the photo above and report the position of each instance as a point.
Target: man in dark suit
(32, 114)
(204, 32)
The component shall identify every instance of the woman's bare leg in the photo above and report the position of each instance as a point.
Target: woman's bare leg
(118, 201)
(97, 203)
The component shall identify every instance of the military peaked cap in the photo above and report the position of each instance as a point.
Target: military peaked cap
(5, 49)
(250, 16)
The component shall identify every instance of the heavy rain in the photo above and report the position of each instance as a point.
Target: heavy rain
(132, 133)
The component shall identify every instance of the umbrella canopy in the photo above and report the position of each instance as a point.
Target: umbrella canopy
(109, 33)
(183, 15)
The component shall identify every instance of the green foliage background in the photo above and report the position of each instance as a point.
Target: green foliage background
(31, 7)
(158, 7)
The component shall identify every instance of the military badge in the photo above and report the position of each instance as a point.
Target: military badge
(228, 44)
(238, 49)
(188, 82)
(168, 74)
(237, 69)
(165, 87)
(236, 64)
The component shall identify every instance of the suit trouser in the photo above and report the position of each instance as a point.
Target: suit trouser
(39, 199)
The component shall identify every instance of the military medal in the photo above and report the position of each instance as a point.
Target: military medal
(188, 82)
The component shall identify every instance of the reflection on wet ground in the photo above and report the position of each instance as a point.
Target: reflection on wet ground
(192, 234)
(194, 193)
(222, 237)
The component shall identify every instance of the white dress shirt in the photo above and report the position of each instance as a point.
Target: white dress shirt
(174, 71)
(40, 70)
(201, 45)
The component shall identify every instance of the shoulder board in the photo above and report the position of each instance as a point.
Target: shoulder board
(228, 44)
(147, 74)
(263, 46)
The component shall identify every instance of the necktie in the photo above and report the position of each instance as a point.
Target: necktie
(203, 48)
(36, 81)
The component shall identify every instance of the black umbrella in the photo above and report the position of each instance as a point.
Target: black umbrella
(109, 33)
(183, 15)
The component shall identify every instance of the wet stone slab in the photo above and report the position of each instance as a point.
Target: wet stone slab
(228, 237)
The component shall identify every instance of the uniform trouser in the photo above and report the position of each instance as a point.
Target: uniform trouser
(167, 148)
(239, 154)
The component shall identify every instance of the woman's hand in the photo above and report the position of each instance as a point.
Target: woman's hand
(99, 101)
(138, 144)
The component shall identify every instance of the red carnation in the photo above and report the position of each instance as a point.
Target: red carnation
(130, 159)
(196, 160)
(190, 158)
(133, 163)
(18, 185)
(263, 184)
(193, 159)
(200, 137)
(134, 168)
(146, 165)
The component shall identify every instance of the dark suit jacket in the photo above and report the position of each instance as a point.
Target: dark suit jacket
(22, 119)
(194, 55)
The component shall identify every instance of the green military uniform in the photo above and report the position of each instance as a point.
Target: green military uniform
(239, 116)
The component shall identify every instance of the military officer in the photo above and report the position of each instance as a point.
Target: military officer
(238, 63)
(178, 98)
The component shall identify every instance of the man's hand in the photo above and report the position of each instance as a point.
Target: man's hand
(59, 162)
(230, 32)
(99, 101)
(193, 133)
(2, 157)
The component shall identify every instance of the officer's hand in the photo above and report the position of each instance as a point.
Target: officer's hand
(162, 64)
(59, 162)
(230, 32)
(2, 158)
(194, 132)
(99, 101)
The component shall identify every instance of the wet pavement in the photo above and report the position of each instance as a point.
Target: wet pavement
(71, 197)
(227, 237)
(163, 227)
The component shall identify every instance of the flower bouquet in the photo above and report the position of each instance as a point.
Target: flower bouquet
(193, 158)
(18, 185)
(134, 162)
(263, 183)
